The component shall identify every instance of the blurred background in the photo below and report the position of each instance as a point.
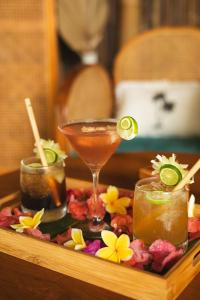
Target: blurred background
(97, 59)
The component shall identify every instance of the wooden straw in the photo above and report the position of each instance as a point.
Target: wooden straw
(188, 176)
(35, 131)
(51, 181)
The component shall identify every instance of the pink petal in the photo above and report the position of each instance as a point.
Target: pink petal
(78, 209)
(7, 221)
(92, 247)
(6, 212)
(141, 254)
(168, 261)
(193, 225)
(62, 238)
(37, 233)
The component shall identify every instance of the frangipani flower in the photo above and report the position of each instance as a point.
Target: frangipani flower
(117, 248)
(163, 160)
(28, 222)
(114, 204)
(77, 242)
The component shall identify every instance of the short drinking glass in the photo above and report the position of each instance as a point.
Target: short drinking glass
(160, 213)
(43, 187)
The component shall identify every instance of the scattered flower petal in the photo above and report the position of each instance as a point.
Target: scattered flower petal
(78, 209)
(37, 233)
(117, 248)
(92, 247)
(122, 224)
(113, 203)
(164, 255)
(28, 222)
(77, 242)
(194, 228)
(62, 238)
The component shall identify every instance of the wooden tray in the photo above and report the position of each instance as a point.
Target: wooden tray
(130, 283)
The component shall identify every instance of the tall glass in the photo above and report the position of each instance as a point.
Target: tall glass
(95, 141)
(43, 187)
(160, 214)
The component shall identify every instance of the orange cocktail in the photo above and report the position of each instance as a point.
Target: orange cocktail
(160, 213)
(95, 141)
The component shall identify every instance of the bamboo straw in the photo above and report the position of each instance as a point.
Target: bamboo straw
(51, 181)
(188, 176)
(35, 131)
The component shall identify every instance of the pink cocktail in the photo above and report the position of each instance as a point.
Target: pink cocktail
(95, 141)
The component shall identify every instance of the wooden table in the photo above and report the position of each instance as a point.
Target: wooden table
(19, 280)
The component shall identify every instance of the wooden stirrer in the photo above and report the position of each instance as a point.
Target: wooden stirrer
(35, 130)
(188, 176)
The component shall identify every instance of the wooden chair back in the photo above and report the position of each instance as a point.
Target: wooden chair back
(166, 53)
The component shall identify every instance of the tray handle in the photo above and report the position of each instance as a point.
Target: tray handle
(196, 258)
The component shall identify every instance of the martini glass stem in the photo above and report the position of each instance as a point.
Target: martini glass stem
(95, 176)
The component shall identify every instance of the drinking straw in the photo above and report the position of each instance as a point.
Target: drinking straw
(35, 130)
(188, 176)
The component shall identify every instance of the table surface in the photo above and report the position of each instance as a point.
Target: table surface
(122, 171)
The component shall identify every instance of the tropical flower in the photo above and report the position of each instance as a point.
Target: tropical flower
(117, 248)
(163, 160)
(77, 242)
(113, 203)
(28, 222)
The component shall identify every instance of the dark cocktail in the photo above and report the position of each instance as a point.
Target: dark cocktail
(43, 187)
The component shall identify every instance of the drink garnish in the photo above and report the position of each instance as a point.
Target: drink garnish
(156, 197)
(127, 128)
(52, 151)
(170, 175)
(51, 155)
(169, 170)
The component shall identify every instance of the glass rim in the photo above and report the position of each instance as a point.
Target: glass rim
(86, 120)
(29, 158)
(155, 178)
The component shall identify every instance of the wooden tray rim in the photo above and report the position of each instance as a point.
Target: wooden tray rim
(132, 281)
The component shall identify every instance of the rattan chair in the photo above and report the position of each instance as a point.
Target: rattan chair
(171, 54)
(165, 53)
(28, 68)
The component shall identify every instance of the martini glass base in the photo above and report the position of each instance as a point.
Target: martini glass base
(97, 225)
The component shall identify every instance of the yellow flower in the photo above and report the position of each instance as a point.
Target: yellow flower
(28, 222)
(117, 248)
(77, 242)
(114, 204)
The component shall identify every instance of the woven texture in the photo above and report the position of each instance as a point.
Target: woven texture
(24, 72)
(167, 53)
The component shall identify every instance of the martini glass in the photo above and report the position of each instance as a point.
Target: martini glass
(95, 141)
